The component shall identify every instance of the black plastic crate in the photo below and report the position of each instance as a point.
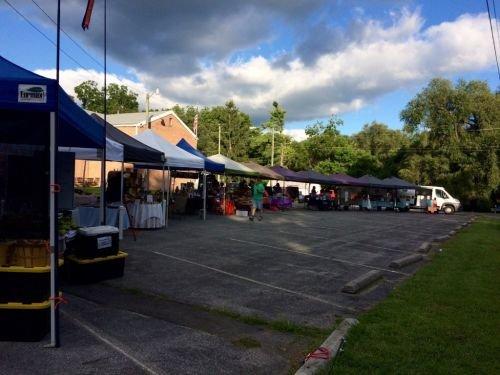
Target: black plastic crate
(24, 322)
(85, 271)
(96, 242)
(25, 285)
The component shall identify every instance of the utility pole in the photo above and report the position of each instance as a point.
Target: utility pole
(149, 95)
(282, 158)
(272, 145)
(219, 141)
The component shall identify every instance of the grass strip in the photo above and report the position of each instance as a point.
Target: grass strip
(445, 319)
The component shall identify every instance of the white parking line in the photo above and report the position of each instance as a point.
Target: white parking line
(319, 256)
(345, 242)
(115, 347)
(303, 295)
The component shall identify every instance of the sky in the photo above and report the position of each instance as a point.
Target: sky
(360, 60)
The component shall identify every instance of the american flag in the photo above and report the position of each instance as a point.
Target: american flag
(88, 14)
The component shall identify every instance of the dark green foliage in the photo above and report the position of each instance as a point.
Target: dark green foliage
(120, 98)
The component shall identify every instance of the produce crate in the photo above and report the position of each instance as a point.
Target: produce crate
(5, 253)
(25, 285)
(24, 322)
(96, 242)
(28, 253)
(85, 271)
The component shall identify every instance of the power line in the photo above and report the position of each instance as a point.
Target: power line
(493, 38)
(496, 21)
(42, 33)
(65, 33)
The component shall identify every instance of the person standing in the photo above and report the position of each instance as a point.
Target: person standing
(257, 195)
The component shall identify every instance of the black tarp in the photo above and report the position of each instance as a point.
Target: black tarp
(134, 151)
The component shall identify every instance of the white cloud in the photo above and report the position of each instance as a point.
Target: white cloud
(296, 134)
(70, 78)
(378, 60)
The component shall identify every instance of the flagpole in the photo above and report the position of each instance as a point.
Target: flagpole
(103, 165)
(54, 233)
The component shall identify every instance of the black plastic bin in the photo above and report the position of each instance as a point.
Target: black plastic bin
(25, 285)
(24, 322)
(85, 271)
(96, 242)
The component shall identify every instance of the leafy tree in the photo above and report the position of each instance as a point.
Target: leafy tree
(90, 95)
(455, 138)
(186, 114)
(275, 126)
(382, 146)
(120, 98)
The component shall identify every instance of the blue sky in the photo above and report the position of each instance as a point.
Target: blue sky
(315, 57)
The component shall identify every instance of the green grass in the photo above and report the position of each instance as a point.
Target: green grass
(284, 326)
(444, 320)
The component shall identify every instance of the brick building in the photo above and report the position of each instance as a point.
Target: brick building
(165, 123)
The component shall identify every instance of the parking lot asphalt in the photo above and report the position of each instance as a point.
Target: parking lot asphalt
(174, 310)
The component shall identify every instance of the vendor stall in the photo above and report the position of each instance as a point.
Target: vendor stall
(175, 159)
(237, 194)
(30, 134)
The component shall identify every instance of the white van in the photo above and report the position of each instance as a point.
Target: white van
(444, 200)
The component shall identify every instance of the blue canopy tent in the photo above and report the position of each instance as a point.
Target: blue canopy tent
(210, 165)
(29, 134)
(22, 90)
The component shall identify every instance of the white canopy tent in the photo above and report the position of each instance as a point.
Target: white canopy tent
(233, 167)
(175, 157)
(114, 152)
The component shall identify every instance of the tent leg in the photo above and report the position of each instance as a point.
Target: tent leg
(54, 237)
(204, 195)
(121, 183)
(163, 191)
(168, 198)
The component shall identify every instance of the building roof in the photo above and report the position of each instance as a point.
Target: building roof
(139, 119)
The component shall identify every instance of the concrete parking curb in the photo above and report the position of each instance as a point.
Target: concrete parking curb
(361, 282)
(452, 233)
(424, 248)
(407, 260)
(331, 346)
(442, 238)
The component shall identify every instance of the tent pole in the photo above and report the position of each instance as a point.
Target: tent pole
(121, 184)
(54, 321)
(224, 195)
(204, 195)
(168, 197)
(163, 190)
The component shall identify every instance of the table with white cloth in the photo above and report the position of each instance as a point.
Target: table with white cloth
(89, 217)
(146, 215)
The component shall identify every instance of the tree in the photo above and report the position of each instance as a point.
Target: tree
(455, 138)
(186, 114)
(120, 98)
(382, 146)
(90, 96)
(276, 124)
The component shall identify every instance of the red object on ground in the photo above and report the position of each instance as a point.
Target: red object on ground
(320, 353)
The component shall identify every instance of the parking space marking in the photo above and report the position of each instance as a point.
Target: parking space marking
(115, 347)
(244, 278)
(345, 242)
(319, 256)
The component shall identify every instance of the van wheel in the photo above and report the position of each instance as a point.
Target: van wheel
(448, 210)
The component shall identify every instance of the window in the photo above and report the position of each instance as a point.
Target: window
(441, 194)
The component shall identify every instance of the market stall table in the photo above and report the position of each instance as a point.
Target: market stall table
(146, 215)
(89, 217)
